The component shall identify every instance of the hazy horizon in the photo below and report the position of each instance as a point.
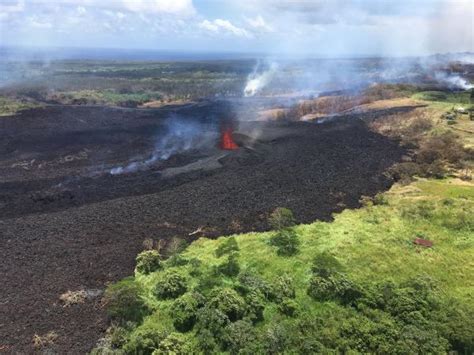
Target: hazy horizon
(299, 28)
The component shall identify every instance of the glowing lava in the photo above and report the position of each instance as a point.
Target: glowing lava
(227, 142)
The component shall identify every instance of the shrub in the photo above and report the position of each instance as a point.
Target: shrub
(117, 336)
(145, 340)
(238, 336)
(248, 281)
(404, 171)
(228, 246)
(124, 301)
(416, 340)
(210, 327)
(148, 261)
(277, 338)
(435, 170)
(231, 266)
(335, 287)
(288, 307)
(325, 265)
(255, 306)
(284, 288)
(207, 342)
(172, 284)
(184, 309)
(173, 344)
(286, 241)
(229, 302)
(281, 218)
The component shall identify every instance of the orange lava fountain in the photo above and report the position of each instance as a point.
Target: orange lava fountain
(227, 142)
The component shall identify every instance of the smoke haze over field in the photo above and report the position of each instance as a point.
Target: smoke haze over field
(291, 28)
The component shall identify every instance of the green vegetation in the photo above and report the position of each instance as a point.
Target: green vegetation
(124, 301)
(462, 97)
(105, 97)
(11, 106)
(148, 261)
(356, 284)
(127, 83)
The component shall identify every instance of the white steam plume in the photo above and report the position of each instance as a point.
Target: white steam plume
(257, 81)
(182, 135)
(453, 81)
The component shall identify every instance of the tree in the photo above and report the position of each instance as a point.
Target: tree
(124, 301)
(148, 261)
(172, 284)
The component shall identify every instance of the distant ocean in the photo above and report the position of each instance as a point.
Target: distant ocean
(46, 54)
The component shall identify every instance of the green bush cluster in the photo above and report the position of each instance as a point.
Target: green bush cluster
(229, 302)
(124, 301)
(408, 317)
(288, 307)
(148, 261)
(173, 344)
(184, 310)
(172, 284)
(228, 308)
(328, 283)
(283, 287)
(249, 281)
(286, 241)
(145, 340)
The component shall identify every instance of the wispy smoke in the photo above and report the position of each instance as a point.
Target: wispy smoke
(181, 135)
(453, 81)
(257, 80)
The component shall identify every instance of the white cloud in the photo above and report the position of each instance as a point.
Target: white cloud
(175, 7)
(208, 25)
(224, 26)
(259, 24)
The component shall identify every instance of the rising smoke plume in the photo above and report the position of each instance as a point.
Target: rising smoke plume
(258, 79)
(180, 135)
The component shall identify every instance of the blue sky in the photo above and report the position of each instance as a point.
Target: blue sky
(288, 27)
